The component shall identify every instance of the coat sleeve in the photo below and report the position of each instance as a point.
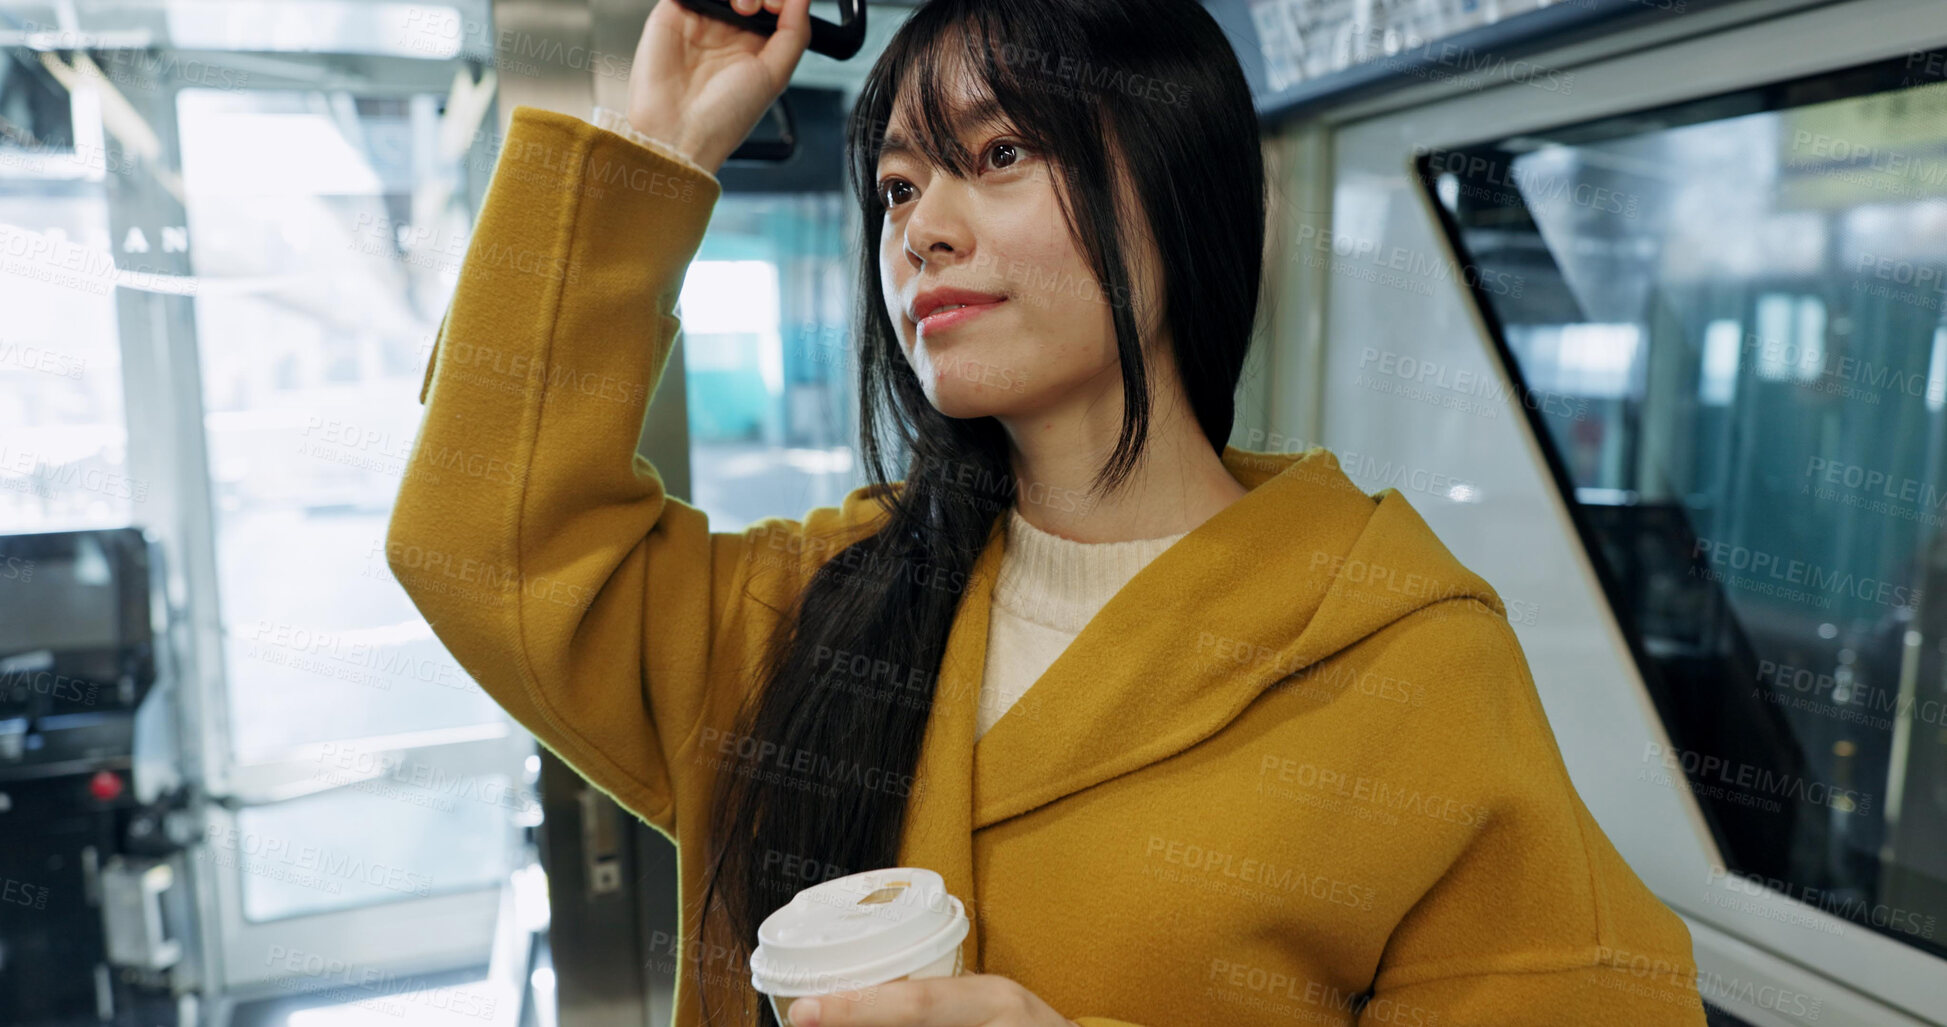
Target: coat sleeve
(539, 544)
(615, 121)
(1538, 921)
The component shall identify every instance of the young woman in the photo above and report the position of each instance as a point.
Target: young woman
(1282, 756)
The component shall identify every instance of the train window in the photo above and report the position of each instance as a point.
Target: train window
(1725, 320)
(767, 357)
(768, 363)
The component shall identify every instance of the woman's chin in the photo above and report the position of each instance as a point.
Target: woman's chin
(967, 383)
(953, 403)
(963, 400)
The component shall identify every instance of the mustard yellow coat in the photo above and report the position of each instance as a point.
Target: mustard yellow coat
(1298, 758)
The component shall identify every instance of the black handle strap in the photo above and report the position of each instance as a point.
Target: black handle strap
(838, 41)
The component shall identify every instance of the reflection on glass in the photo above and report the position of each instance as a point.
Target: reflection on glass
(404, 835)
(63, 436)
(337, 233)
(1730, 329)
(767, 357)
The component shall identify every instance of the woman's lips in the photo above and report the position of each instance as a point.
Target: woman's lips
(941, 320)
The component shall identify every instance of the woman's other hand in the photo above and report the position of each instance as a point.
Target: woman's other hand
(971, 1000)
(700, 85)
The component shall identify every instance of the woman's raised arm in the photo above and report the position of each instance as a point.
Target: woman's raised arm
(542, 548)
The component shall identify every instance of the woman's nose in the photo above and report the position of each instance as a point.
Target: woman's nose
(938, 229)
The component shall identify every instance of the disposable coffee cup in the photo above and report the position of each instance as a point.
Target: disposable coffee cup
(858, 932)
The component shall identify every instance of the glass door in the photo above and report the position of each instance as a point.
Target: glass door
(374, 799)
(276, 211)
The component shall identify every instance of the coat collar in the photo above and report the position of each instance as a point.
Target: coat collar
(1301, 566)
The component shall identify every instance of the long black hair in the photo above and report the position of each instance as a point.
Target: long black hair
(1145, 89)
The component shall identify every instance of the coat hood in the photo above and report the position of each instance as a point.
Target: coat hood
(1300, 567)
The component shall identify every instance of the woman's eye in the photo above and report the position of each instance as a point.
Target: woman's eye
(888, 190)
(1003, 156)
(1015, 151)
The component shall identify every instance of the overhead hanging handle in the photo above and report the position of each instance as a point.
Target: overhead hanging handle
(838, 41)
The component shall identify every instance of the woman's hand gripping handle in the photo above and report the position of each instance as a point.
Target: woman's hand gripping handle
(700, 85)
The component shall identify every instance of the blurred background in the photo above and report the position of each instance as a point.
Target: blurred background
(1640, 303)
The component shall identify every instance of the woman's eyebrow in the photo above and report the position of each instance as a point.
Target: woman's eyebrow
(978, 113)
(899, 146)
(983, 111)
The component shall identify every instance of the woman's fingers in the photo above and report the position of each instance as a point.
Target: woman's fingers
(753, 6)
(975, 1000)
(787, 44)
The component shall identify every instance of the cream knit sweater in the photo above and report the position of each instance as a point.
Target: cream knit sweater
(1049, 586)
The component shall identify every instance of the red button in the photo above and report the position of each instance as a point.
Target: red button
(106, 785)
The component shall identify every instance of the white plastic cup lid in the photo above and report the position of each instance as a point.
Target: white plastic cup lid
(857, 931)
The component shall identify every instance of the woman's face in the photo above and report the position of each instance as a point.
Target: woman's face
(1037, 331)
